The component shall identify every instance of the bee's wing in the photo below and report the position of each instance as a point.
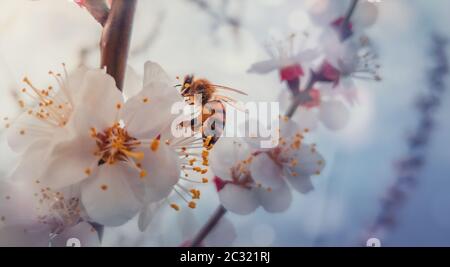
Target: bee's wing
(231, 102)
(229, 89)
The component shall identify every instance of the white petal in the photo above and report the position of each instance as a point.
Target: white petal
(266, 172)
(108, 197)
(83, 231)
(147, 214)
(19, 236)
(276, 200)
(163, 172)
(153, 72)
(227, 152)
(365, 15)
(26, 130)
(16, 205)
(222, 235)
(306, 56)
(238, 199)
(301, 183)
(306, 118)
(334, 114)
(33, 162)
(132, 84)
(263, 67)
(148, 114)
(288, 128)
(309, 161)
(74, 84)
(100, 103)
(70, 163)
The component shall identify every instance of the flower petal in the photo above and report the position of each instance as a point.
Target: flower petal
(148, 212)
(301, 183)
(132, 84)
(99, 104)
(71, 162)
(155, 98)
(108, 197)
(26, 130)
(309, 162)
(365, 16)
(163, 172)
(265, 66)
(153, 72)
(83, 231)
(334, 114)
(33, 162)
(16, 204)
(266, 172)
(238, 199)
(306, 118)
(226, 153)
(275, 200)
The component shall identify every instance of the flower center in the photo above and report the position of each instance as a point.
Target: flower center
(115, 144)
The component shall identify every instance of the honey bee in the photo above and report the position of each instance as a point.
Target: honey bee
(211, 120)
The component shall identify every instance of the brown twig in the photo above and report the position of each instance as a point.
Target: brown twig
(115, 40)
(208, 227)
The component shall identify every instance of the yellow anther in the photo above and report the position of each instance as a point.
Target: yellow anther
(192, 205)
(195, 193)
(154, 145)
(175, 206)
(143, 173)
(204, 180)
(197, 169)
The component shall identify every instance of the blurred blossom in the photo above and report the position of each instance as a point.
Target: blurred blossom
(45, 217)
(289, 57)
(264, 177)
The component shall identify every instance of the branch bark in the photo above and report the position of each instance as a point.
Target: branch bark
(115, 40)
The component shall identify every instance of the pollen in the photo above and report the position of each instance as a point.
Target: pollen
(104, 187)
(22, 132)
(175, 206)
(204, 180)
(145, 100)
(87, 171)
(118, 106)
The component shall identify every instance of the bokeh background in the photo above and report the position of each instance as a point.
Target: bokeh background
(220, 42)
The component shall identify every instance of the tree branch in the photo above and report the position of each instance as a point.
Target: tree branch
(115, 40)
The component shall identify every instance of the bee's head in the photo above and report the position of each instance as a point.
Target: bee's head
(186, 86)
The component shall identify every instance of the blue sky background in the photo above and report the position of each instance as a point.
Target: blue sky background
(36, 36)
